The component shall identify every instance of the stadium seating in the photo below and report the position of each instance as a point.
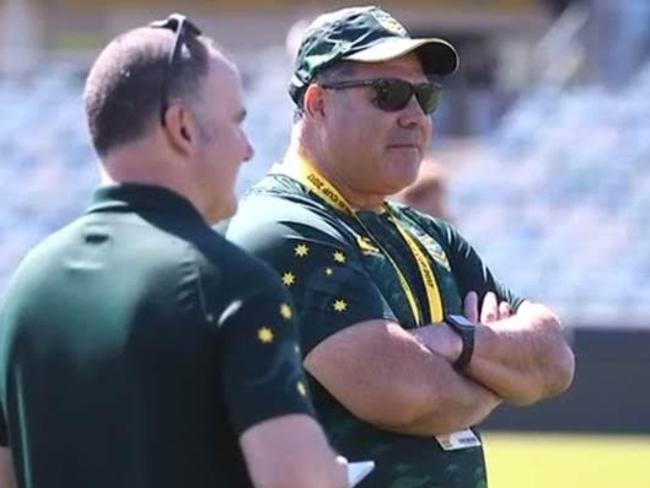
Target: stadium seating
(559, 204)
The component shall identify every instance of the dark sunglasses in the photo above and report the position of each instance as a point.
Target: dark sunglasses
(183, 28)
(393, 94)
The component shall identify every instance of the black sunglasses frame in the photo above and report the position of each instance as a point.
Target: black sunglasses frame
(381, 85)
(183, 28)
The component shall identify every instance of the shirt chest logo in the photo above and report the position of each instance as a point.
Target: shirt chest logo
(434, 249)
(367, 247)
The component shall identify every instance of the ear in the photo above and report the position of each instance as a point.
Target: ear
(314, 101)
(181, 128)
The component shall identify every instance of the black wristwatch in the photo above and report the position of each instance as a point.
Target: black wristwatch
(465, 329)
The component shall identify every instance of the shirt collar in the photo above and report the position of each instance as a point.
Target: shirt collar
(129, 197)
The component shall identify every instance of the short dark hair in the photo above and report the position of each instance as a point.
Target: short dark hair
(123, 90)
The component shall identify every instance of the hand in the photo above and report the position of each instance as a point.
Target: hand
(490, 311)
(342, 471)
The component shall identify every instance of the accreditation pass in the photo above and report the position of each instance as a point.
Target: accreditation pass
(462, 439)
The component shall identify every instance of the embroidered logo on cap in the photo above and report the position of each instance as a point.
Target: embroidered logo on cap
(389, 23)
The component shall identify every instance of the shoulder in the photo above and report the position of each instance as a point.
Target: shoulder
(434, 226)
(49, 251)
(279, 208)
(38, 273)
(213, 274)
(214, 254)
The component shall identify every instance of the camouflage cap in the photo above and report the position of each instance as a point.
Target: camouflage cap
(367, 35)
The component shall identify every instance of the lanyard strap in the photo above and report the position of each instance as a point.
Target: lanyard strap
(303, 170)
(426, 272)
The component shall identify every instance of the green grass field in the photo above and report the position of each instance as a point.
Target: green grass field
(533, 460)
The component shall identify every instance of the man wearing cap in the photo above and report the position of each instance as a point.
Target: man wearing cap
(402, 361)
(138, 348)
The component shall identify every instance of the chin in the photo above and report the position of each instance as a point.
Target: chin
(402, 179)
(230, 210)
(405, 167)
(223, 211)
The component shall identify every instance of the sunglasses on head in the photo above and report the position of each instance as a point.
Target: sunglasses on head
(183, 28)
(393, 94)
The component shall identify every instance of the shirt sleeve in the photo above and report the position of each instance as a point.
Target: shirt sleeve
(261, 363)
(470, 272)
(323, 272)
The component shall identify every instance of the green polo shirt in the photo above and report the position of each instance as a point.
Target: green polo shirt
(136, 345)
(338, 275)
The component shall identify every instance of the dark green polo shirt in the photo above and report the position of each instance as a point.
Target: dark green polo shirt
(136, 345)
(338, 277)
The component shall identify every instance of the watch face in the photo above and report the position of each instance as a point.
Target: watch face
(461, 320)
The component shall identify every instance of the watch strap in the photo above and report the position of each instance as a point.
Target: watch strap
(466, 331)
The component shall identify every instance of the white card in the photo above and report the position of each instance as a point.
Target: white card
(462, 439)
(358, 471)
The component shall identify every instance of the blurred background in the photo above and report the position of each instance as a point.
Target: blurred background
(544, 137)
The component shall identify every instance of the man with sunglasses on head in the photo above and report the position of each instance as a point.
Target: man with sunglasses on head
(402, 361)
(138, 348)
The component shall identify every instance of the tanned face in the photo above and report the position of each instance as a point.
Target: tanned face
(376, 151)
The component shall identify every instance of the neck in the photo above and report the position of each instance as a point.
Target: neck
(326, 167)
(144, 165)
(358, 200)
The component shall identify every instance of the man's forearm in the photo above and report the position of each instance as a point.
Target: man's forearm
(459, 403)
(384, 375)
(523, 358)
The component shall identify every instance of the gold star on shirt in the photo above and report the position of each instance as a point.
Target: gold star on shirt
(288, 278)
(301, 250)
(265, 335)
(285, 311)
(340, 305)
(302, 389)
(339, 257)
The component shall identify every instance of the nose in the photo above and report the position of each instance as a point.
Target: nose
(412, 115)
(250, 151)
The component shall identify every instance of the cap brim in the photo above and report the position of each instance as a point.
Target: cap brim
(437, 55)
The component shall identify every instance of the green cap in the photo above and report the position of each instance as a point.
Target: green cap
(366, 35)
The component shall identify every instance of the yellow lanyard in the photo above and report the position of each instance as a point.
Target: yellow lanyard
(303, 170)
(426, 272)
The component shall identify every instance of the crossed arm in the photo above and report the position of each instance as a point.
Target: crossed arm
(387, 377)
(403, 380)
(523, 358)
